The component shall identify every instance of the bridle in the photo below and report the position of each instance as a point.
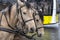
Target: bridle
(18, 31)
(14, 30)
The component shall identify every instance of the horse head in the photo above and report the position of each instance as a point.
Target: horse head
(27, 14)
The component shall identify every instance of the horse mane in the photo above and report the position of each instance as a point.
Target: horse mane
(9, 9)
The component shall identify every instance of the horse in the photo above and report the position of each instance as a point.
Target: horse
(38, 21)
(39, 10)
(12, 21)
(6, 20)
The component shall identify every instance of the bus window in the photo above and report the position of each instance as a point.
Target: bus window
(47, 6)
(58, 6)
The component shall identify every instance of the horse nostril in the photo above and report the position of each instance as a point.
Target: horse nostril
(31, 30)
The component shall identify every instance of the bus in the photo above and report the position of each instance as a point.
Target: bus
(51, 17)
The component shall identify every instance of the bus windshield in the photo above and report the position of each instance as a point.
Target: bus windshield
(48, 7)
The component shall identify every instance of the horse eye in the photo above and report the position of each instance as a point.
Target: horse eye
(24, 13)
(37, 20)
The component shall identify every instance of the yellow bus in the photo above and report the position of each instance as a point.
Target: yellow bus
(51, 18)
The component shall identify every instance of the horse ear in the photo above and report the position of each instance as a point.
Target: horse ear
(20, 3)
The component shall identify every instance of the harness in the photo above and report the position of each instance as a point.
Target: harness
(16, 30)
